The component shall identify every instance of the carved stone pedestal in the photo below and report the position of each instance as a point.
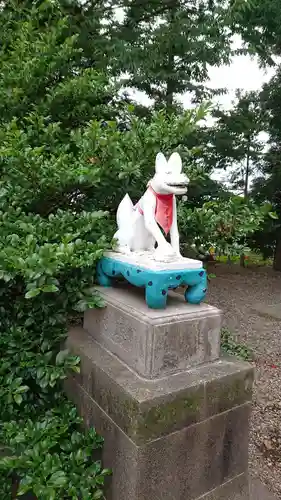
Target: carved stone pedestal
(174, 416)
(154, 342)
(157, 278)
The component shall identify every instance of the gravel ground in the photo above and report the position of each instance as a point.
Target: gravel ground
(235, 291)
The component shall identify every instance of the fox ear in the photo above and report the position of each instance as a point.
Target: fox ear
(160, 163)
(175, 163)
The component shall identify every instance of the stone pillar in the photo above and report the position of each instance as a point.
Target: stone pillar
(174, 415)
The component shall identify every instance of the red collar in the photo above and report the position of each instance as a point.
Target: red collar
(164, 210)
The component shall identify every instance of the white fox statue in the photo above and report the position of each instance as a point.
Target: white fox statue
(138, 225)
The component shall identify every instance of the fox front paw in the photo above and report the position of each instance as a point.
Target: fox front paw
(125, 249)
(165, 253)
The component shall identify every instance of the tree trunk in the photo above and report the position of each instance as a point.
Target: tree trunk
(170, 68)
(169, 95)
(246, 187)
(247, 172)
(277, 255)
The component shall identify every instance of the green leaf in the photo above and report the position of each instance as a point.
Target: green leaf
(7, 462)
(40, 372)
(22, 388)
(29, 239)
(18, 398)
(81, 306)
(23, 488)
(76, 369)
(32, 293)
(49, 288)
(61, 357)
(273, 215)
(97, 495)
(106, 472)
(58, 479)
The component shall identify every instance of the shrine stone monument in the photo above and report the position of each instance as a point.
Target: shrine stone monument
(173, 413)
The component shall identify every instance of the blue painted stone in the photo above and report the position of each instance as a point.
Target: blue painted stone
(156, 283)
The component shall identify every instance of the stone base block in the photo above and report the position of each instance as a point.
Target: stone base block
(155, 343)
(183, 437)
(234, 489)
(260, 492)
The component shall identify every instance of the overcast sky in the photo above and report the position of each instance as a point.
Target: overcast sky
(243, 73)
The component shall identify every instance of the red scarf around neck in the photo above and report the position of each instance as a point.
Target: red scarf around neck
(163, 210)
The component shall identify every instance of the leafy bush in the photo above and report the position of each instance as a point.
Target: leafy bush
(65, 163)
(67, 469)
(222, 224)
(47, 266)
(251, 259)
(230, 346)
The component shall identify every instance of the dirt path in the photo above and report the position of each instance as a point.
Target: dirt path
(236, 291)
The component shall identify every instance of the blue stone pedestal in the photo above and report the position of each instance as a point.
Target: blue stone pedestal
(156, 278)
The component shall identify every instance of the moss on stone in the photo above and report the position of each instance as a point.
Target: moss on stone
(168, 417)
(224, 394)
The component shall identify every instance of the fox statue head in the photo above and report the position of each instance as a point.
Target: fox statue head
(169, 178)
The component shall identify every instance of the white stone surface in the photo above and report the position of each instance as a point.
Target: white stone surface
(146, 260)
